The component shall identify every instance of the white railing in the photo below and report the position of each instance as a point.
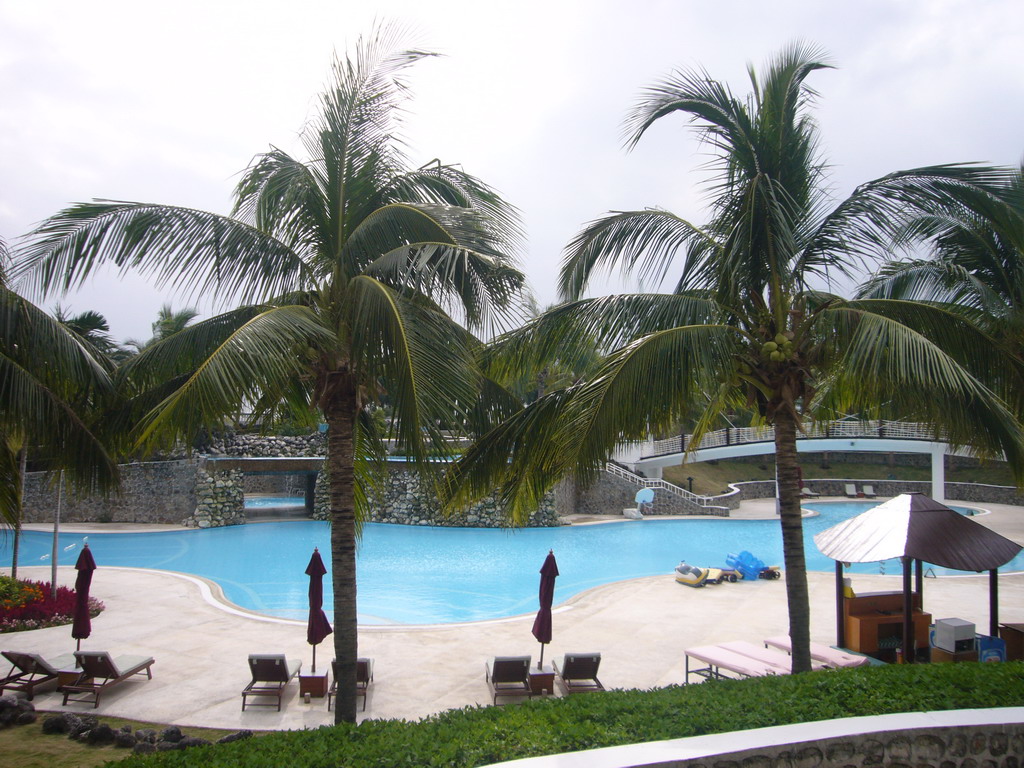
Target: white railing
(847, 428)
(675, 490)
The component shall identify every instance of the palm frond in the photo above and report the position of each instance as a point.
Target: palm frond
(199, 252)
(263, 355)
(429, 374)
(644, 242)
(883, 367)
(571, 332)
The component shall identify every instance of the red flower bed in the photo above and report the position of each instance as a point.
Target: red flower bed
(28, 605)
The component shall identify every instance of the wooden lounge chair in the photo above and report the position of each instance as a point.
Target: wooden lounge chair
(718, 659)
(364, 676)
(869, 491)
(579, 672)
(851, 491)
(100, 672)
(30, 671)
(830, 657)
(271, 672)
(509, 676)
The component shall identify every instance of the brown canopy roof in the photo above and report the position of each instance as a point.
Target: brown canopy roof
(913, 525)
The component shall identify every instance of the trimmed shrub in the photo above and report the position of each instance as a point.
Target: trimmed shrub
(481, 735)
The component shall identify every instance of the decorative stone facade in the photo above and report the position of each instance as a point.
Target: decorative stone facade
(169, 492)
(405, 503)
(997, 746)
(151, 492)
(220, 500)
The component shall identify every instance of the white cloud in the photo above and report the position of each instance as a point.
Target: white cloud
(165, 103)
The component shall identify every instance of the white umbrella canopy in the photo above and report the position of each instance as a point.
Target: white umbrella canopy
(916, 526)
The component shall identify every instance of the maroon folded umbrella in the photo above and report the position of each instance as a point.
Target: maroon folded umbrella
(318, 627)
(542, 624)
(82, 626)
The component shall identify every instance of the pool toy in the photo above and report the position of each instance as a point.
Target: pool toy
(751, 567)
(691, 575)
(723, 575)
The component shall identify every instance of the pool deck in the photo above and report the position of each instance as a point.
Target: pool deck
(640, 626)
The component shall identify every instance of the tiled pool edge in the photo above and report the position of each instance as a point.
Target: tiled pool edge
(952, 737)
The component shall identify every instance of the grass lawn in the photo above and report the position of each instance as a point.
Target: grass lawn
(713, 478)
(26, 746)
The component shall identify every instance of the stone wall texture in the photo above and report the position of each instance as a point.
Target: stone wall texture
(220, 500)
(152, 492)
(403, 502)
(989, 746)
(167, 492)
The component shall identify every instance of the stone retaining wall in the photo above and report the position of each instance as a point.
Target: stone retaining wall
(610, 494)
(404, 503)
(997, 746)
(166, 492)
(152, 492)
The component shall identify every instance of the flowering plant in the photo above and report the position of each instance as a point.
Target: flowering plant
(28, 605)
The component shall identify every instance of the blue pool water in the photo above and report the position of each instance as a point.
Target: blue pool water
(264, 502)
(424, 575)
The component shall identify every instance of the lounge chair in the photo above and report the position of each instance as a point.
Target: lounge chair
(364, 676)
(830, 657)
(509, 676)
(579, 672)
(869, 491)
(100, 672)
(718, 659)
(270, 674)
(29, 671)
(807, 493)
(765, 655)
(851, 491)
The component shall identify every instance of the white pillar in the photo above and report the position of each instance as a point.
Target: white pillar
(939, 473)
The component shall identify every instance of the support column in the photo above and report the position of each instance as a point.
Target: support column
(939, 473)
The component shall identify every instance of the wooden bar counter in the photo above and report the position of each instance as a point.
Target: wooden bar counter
(874, 621)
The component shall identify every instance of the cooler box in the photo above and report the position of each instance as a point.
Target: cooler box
(953, 635)
(991, 648)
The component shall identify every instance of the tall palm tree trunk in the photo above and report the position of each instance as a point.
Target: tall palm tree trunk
(340, 412)
(787, 472)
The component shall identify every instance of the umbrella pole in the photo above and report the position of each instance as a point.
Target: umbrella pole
(540, 664)
(909, 644)
(314, 659)
(993, 602)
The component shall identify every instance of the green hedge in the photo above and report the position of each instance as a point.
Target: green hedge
(482, 735)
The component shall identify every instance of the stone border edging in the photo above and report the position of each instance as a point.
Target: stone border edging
(729, 746)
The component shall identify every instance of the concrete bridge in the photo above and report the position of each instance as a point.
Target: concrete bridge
(834, 436)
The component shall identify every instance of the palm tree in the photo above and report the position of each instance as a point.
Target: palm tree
(93, 330)
(48, 379)
(744, 327)
(351, 261)
(167, 323)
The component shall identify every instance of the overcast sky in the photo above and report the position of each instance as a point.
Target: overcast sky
(169, 102)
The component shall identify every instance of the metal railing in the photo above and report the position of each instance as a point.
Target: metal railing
(675, 490)
(847, 428)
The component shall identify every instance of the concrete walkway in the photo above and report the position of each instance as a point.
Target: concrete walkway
(640, 626)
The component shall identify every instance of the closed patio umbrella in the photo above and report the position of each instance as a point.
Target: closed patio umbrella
(318, 627)
(81, 628)
(542, 624)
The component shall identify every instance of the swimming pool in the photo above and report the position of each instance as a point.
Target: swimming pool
(426, 575)
(272, 502)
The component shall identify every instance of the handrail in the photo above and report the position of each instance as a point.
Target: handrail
(646, 482)
(845, 428)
